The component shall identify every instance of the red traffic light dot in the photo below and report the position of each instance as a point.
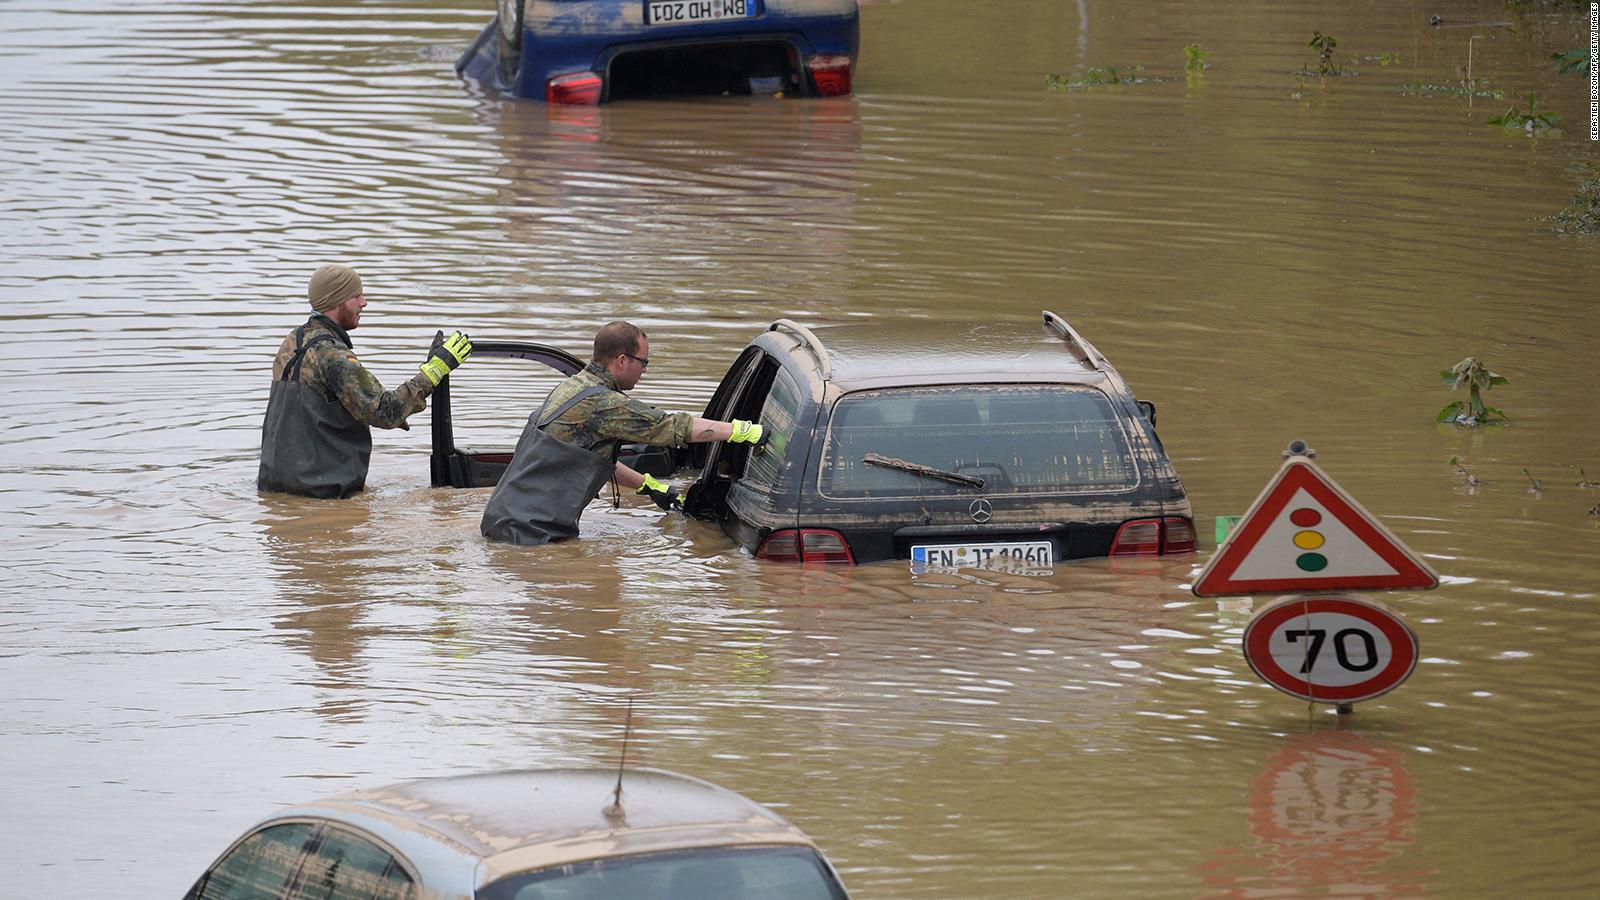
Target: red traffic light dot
(1305, 517)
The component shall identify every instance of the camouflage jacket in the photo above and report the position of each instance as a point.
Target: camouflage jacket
(331, 368)
(603, 422)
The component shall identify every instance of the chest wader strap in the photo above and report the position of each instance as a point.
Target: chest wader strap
(561, 410)
(291, 369)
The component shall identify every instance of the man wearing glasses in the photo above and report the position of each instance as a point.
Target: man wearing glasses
(569, 448)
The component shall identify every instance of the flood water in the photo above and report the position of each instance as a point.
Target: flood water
(1265, 259)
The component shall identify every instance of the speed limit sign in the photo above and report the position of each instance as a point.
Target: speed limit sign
(1330, 648)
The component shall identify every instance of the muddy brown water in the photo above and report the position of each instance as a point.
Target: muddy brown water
(1265, 260)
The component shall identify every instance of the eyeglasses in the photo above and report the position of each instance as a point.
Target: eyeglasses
(643, 361)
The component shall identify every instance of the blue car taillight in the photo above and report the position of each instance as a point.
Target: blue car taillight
(579, 89)
(806, 545)
(830, 73)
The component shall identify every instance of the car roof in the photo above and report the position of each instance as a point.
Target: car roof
(907, 352)
(519, 821)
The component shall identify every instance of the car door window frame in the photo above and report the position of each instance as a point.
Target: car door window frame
(778, 441)
(297, 887)
(293, 870)
(748, 382)
(724, 398)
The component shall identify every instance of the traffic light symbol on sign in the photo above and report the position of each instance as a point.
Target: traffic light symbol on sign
(1308, 541)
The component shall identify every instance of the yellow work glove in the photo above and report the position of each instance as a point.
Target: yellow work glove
(447, 357)
(660, 492)
(747, 433)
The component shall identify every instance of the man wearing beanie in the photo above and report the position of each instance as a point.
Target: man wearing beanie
(317, 438)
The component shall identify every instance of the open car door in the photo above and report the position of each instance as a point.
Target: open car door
(464, 467)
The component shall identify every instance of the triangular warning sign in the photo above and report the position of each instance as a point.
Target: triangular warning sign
(1306, 534)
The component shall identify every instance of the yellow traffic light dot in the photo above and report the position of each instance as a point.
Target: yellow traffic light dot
(1309, 540)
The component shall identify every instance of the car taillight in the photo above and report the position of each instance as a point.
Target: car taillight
(580, 88)
(806, 545)
(1152, 537)
(823, 545)
(1137, 537)
(1177, 535)
(783, 546)
(831, 74)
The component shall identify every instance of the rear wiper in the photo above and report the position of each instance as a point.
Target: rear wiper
(889, 462)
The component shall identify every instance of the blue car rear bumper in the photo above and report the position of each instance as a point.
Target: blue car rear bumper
(564, 37)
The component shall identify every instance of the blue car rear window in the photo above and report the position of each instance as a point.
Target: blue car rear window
(1019, 439)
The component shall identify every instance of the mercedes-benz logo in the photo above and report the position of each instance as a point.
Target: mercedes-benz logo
(981, 510)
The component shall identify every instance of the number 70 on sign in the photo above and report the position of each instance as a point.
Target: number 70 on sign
(1365, 661)
(1330, 648)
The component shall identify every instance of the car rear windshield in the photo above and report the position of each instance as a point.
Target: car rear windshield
(1017, 438)
(721, 873)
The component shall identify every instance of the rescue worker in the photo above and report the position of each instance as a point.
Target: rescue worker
(568, 449)
(316, 439)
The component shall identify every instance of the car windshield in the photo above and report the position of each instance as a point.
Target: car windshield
(1016, 438)
(721, 873)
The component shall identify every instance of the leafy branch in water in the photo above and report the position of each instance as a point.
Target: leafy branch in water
(1571, 62)
(1535, 485)
(1476, 377)
(1324, 44)
(1096, 76)
(1472, 480)
(1534, 119)
(1194, 59)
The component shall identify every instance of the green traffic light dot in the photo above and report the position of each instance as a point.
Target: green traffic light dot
(1311, 562)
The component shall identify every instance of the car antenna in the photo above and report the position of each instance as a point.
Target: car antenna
(615, 811)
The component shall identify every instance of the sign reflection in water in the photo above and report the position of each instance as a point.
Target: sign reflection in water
(1330, 810)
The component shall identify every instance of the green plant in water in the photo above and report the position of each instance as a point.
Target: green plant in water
(1096, 76)
(1324, 43)
(1535, 485)
(1571, 62)
(1472, 480)
(1299, 86)
(1194, 59)
(1386, 58)
(1534, 119)
(1472, 374)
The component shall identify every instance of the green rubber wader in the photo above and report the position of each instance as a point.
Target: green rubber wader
(310, 445)
(543, 492)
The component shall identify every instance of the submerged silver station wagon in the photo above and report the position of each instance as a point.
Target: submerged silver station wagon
(555, 834)
(945, 445)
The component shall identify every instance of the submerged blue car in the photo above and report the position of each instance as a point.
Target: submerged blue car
(593, 51)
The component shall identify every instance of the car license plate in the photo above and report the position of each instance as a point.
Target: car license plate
(1030, 553)
(680, 12)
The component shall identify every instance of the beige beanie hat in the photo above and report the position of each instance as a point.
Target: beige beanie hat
(332, 285)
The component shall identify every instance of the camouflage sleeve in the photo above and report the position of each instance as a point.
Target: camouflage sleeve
(363, 395)
(641, 423)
